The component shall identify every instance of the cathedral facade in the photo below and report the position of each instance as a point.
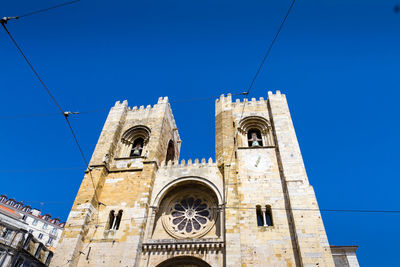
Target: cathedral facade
(138, 205)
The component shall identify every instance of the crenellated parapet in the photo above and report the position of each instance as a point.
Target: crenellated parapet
(146, 113)
(226, 99)
(161, 100)
(189, 163)
(204, 171)
(245, 106)
(241, 108)
(142, 111)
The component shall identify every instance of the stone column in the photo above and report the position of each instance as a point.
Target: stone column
(264, 211)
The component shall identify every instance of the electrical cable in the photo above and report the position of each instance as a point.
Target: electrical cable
(226, 191)
(270, 46)
(255, 77)
(251, 208)
(5, 19)
(65, 114)
(185, 100)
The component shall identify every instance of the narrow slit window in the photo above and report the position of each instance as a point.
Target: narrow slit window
(118, 220)
(268, 216)
(111, 218)
(260, 220)
(170, 152)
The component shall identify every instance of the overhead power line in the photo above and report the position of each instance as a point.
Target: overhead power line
(32, 115)
(6, 19)
(64, 113)
(270, 46)
(226, 191)
(31, 67)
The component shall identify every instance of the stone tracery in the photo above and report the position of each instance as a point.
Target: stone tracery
(189, 214)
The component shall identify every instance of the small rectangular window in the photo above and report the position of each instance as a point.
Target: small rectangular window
(31, 231)
(24, 217)
(20, 262)
(40, 236)
(6, 233)
(54, 231)
(35, 221)
(50, 241)
(44, 226)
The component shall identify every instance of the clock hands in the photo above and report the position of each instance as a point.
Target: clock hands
(258, 161)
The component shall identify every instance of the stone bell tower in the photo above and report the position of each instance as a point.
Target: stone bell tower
(272, 216)
(106, 223)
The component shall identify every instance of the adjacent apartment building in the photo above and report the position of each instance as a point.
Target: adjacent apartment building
(17, 246)
(44, 228)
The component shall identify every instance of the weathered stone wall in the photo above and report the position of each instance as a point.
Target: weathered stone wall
(311, 238)
(120, 184)
(158, 244)
(298, 236)
(261, 185)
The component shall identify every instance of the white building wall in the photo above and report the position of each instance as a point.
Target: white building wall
(44, 230)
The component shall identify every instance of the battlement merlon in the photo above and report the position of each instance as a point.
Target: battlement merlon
(143, 111)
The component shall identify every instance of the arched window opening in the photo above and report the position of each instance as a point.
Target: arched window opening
(254, 131)
(254, 138)
(114, 220)
(137, 147)
(264, 216)
(260, 219)
(111, 218)
(134, 141)
(170, 152)
(268, 216)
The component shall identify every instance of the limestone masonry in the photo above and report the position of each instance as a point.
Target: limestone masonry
(253, 206)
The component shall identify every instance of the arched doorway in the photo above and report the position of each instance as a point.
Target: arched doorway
(184, 261)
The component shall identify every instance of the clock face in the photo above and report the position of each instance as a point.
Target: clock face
(257, 162)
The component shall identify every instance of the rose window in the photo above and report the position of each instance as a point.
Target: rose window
(189, 215)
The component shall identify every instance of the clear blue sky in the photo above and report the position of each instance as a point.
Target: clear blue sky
(337, 62)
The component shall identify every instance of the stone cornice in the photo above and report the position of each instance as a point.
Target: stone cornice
(186, 245)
